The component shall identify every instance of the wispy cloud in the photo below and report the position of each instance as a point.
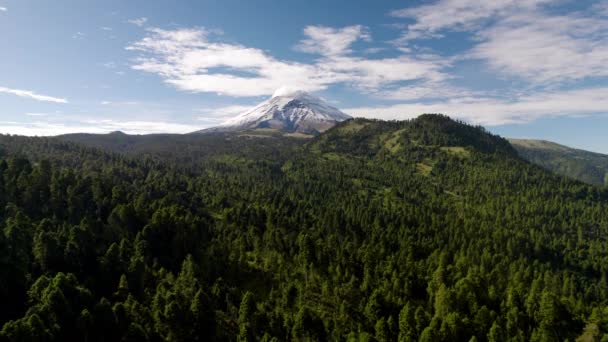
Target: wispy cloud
(431, 19)
(123, 103)
(141, 127)
(520, 38)
(427, 90)
(544, 48)
(191, 61)
(138, 21)
(184, 58)
(331, 41)
(493, 111)
(32, 95)
(78, 35)
(52, 128)
(543, 51)
(212, 116)
(3, 9)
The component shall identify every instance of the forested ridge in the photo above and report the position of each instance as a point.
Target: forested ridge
(585, 166)
(420, 230)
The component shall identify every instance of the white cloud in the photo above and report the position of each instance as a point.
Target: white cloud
(429, 90)
(544, 48)
(371, 74)
(141, 127)
(226, 110)
(32, 95)
(365, 73)
(43, 128)
(120, 103)
(373, 50)
(214, 116)
(329, 41)
(3, 9)
(189, 60)
(520, 38)
(184, 58)
(50, 128)
(36, 114)
(458, 15)
(138, 21)
(493, 111)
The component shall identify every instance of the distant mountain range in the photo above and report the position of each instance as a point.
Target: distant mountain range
(300, 114)
(585, 166)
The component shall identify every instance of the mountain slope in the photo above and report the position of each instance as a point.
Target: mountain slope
(588, 167)
(295, 111)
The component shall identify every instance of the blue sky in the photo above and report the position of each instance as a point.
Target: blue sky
(522, 68)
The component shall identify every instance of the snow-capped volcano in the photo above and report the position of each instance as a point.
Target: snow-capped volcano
(290, 111)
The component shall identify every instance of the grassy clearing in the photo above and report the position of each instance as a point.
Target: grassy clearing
(392, 144)
(298, 135)
(424, 169)
(352, 126)
(457, 151)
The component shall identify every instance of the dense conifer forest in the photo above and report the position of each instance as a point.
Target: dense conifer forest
(421, 230)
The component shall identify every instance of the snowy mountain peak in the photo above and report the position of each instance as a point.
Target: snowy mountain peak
(289, 110)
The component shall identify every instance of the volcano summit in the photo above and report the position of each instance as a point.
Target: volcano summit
(289, 111)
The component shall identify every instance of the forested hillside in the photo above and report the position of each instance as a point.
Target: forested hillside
(187, 150)
(428, 230)
(588, 167)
